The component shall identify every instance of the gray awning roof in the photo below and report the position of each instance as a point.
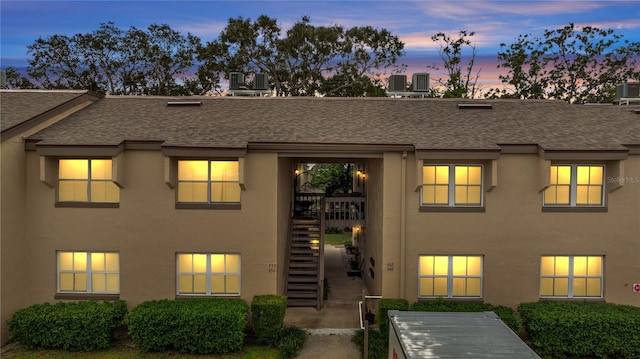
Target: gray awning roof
(455, 335)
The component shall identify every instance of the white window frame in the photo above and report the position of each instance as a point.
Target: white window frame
(573, 185)
(452, 186)
(88, 273)
(451, 276)
(570, 278)
(89, 180)
(209, 274)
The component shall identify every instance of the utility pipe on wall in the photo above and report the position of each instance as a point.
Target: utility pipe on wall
(403, 221)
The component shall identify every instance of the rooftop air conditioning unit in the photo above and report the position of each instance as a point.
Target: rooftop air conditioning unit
(420, 82)
(261, 82)
(627, 90)
(236, 80)
(397, 83)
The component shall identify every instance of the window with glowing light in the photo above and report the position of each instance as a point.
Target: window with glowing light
(450, 276)
(575, 185)
(88, 272)
(208, 274)
(203, 181)
(87, 180)
(571, 276)
(452, 185)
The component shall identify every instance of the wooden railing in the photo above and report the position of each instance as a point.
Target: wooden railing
(348, 211)
(345, 211)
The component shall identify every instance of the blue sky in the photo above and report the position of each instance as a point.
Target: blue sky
(494, 22)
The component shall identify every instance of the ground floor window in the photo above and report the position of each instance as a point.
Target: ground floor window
(88, 272)
(208, 273)
(571, 276)
(450, 276)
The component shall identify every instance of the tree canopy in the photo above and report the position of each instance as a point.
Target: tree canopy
(570, 64)
(307, 59)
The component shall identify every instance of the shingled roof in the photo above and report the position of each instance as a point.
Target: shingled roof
(425, 124)
(24, 108)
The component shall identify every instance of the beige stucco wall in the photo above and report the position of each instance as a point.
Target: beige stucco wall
(285, 192)
(371, 236)
(147, 230)
(513, 233)
(13, 248)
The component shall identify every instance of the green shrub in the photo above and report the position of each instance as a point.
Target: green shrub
(75, 326)
(506, 314)
(291, 340)
(385, 305)
(377, 343)
(267, 317)
(197, 326)
(583, 329)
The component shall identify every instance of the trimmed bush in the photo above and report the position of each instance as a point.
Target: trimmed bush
(267, 317)
(583, 329)
(506, 314)
(196, 326)
(377, 343)
(384, 306)
(74, 326)
(291, 340)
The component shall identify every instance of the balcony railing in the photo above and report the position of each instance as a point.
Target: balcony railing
(338, 212)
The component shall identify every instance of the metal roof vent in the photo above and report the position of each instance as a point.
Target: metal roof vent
(475, 106)
(183, 103)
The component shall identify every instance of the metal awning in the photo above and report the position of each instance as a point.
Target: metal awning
(453, 335)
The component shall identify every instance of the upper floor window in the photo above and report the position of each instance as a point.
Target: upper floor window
(452, 185)
(88, 272)
(87, 180)
(571, 276)
(203, 181)
(575, 185)
(208, 273)
(449, 276)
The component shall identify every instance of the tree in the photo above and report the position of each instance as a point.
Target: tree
(114, 61)
(570, 64)
(458, 83)
(308, 59)
(15, 80)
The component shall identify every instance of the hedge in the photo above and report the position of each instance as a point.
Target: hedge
(267, 317)
(196, 326)
(72, 326)
(384, 306)
(583, 329)
(506, 314)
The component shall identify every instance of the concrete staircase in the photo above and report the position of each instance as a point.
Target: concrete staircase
(304, 263)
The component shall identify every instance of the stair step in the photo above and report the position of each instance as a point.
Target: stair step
(304, 257)
(303, 251)
(303, 279)
(301, 302)
(300, 295)
(303, 265)
(302, 272)
(304, 286)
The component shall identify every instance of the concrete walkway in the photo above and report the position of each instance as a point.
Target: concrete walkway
(331, 328)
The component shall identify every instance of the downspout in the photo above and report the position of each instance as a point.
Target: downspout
(403, 221)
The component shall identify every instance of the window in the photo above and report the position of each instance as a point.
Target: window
(450, 276)
(571, 276)
(87, 180)
(208, 274)
(203, 181)
(452, 185)
(88, 272)
(575, 185)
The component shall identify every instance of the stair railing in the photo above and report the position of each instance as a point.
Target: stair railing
(321, 257)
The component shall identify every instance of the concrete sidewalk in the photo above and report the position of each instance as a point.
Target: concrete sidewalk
(331, 328)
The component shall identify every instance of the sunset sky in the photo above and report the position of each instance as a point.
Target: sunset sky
(494, 22)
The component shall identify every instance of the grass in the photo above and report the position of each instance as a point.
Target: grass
(337, 238)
